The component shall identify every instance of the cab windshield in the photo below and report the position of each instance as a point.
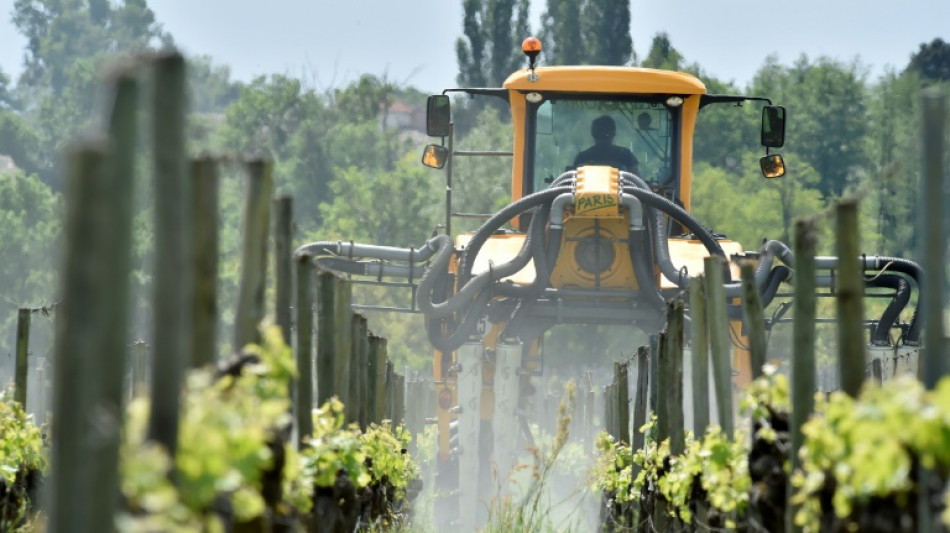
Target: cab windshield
(635, 135)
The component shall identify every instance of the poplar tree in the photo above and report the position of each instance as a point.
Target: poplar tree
(489, 50)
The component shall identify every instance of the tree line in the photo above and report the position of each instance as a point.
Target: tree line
(354, 169)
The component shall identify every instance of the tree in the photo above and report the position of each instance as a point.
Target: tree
(68, 42)
(828, 121)
(561, 33)
(606, 28)
(662, 55)
(210, 86)
(279, 118)
(60, 32)
(932, 60)
(30, 218)
(488, 51)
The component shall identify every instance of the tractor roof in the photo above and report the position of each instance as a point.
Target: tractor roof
(600, 79)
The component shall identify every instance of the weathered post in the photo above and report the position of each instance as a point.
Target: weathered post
(610, 410)
(654, 368)
(171, 286)
(933, 241)
(139, 364)
(623, 401)
(355, 402)
(344, 339)
(328, 346)
(283, 261)
(933, 234)
(77, 345)
(400, 415)
(803, 346)
(390, 394)
(22, 355)
(640, 402)
(204, 249)
(662, 386)
(372, 381)
(674, 389)
(719, 341)
(115, 247)
(379, 376)
(850, 300)
(700, 355)
(754, 321)
(250, 308)
(304, 389)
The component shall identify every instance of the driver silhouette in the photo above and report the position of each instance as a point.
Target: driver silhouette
(604, 151)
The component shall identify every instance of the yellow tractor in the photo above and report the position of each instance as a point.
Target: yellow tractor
(598, 231)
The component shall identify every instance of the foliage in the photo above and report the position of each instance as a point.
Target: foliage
(489, 49)
(932, 60)
(591, 32)
(68, 42)
(22, 461)
(29, 216)
(390, 462)
(861, 455)
(662, 55)
(529, 511)
(232, 432)
(225, 432)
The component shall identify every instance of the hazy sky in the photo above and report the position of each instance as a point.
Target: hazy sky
(329, 42)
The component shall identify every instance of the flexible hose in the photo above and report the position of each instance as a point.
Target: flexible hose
(465, 329)
(879, 336)
(496, 222)
(468, 292)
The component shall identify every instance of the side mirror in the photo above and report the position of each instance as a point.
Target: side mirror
(438, 115)
(773, 166)
(434, 156)
(773, 126)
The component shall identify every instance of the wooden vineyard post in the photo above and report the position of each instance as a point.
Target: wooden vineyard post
(355, 403)
(344, 339)
(372, 381)
(22, 355)
(283, 263)
(250, 305)
(77, 346)
(400, 414)
(803, 347)
(622, 410)
(171, 286)
(139, 364)
(662, 385)
(115, 246)
(610, 408)
(589, 396)
(850, 301)
(719, 341)
(204, 250)
(933, 365)
(91, 325)
(654, 368)
(379, 376)
(390, 392)
(755, 322)
(640, 403)
(328, 345)
(700, 355)
(933, 234)
(674, 377)
(304, 353)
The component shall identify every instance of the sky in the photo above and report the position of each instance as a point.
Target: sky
(331, 42)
